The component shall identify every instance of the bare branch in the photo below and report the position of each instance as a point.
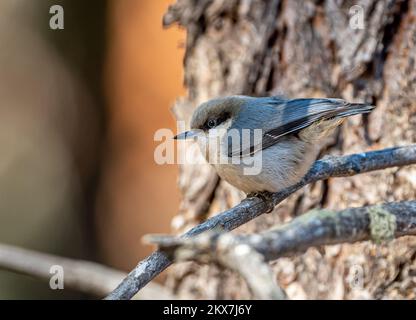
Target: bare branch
(315, 228)
(251, 208)
(84, 276)
(230, 253)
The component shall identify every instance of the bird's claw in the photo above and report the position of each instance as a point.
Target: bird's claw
(266, 196)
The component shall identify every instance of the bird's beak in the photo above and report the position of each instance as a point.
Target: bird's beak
(187, 135)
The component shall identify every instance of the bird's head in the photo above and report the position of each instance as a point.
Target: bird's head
(217, 113)
(210, 124)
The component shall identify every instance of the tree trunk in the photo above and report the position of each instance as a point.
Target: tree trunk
(363, 51)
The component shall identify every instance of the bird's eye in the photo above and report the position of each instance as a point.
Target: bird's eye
(212, 123)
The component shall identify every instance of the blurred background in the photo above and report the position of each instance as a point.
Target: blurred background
(78, 111)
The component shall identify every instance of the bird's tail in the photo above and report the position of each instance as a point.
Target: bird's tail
(322, 128)
(354, 108)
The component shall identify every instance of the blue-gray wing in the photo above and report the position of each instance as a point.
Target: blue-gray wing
(279, 117)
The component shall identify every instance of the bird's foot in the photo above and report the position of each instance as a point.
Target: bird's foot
(266, 196)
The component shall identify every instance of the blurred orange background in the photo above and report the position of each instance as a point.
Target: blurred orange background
(78, 111)
(143, 78)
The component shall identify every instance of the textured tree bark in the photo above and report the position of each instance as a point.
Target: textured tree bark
(306, 49)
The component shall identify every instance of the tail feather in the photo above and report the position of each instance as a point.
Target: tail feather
(355, 108)
(325, 126)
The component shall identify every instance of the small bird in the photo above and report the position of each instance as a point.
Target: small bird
(292, 133)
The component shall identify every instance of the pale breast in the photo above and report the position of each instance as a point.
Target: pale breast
(274, 168)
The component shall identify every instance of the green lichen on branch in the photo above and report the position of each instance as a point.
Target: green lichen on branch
(382, 224)
(311, 216)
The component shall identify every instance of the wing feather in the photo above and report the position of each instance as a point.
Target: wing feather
(279, 117)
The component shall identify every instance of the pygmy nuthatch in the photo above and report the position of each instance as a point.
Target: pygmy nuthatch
(292, 133)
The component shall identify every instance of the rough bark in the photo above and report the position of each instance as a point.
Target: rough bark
(306, 49)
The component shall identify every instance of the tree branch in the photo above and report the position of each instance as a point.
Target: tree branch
(84, 276)
(229, 252)
(315, 228)
(251, 208)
